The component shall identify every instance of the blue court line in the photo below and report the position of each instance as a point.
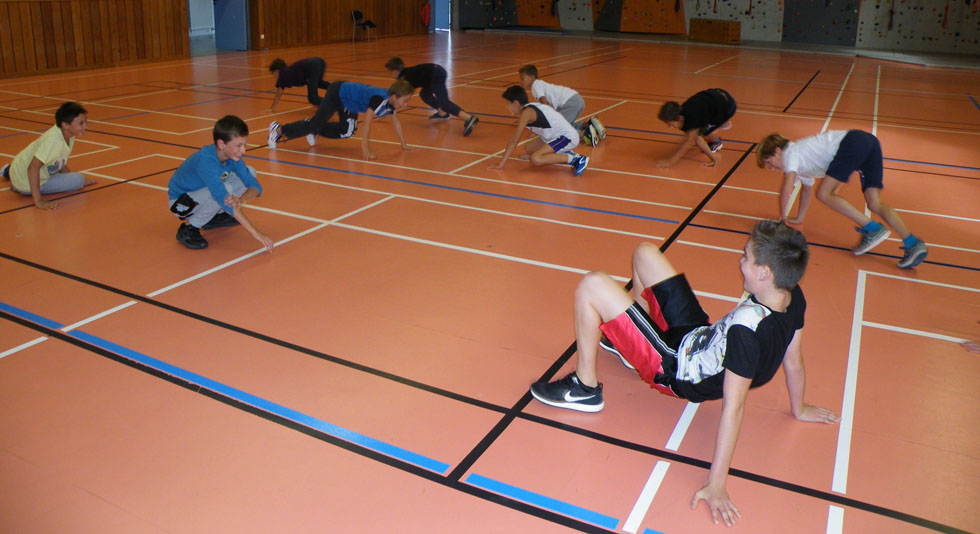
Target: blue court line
(241, 396)
(651, 531)
(464, 190)
(175, 107)
(968, 95)
(541, 501)
(13, 134)
(933, 164)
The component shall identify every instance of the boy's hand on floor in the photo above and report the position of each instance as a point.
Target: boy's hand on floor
(718, 502)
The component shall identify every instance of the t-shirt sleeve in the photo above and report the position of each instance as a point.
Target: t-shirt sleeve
(537, 90)
(741, 352)
(49, 151)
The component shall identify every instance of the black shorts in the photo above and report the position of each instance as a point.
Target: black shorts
(729, 113)
(858, 151)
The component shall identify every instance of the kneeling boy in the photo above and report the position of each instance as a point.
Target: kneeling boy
(662, 332)
(557, 138)
(210, 188)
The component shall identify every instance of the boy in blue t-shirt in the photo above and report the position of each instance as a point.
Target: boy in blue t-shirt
(347, 100)
(209, 188)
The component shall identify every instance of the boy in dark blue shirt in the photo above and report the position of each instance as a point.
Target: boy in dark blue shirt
(308, 72)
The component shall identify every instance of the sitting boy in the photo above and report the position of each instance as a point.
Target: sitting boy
(347, 100)
(566, 101)
(210, 187)
(699, 117)
(430, 79)
(836, 154)
(308, 72)
(42, 167)
(662, 332)
(557, 138)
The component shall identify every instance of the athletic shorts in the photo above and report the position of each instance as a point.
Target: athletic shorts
(561, 144)
(649, 341)
(726, 116)
(858, 151)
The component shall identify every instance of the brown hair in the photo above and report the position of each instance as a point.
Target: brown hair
(670, 111)
(400, 88)
(395, 63)
(529, 70)
(768, 146)
(782, 249)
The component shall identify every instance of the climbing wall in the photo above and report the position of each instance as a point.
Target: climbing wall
(920, 25)
(607, 14)
(487, 13)
(761, 20)
(539, 13)
(653, 16)
(575, 14)
(831, 22)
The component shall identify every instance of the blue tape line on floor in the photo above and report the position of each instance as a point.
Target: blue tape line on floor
(541, 501)
(239, 395)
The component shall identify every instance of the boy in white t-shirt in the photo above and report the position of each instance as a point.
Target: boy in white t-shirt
(836, 155)
(42, 167)
(565, 101)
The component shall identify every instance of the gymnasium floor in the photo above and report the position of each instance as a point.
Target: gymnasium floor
(371, 373)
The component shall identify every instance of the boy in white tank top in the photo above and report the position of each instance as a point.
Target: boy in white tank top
(557, 138)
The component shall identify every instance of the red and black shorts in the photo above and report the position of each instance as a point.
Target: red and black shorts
(649, 341)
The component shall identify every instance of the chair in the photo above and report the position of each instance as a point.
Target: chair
(360, 22)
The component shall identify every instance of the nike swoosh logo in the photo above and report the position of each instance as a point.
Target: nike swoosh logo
(572, 398)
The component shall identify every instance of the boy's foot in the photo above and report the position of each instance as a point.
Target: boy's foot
(715, 146)
(914, 255)
(608, 346)
(599, 128)
(311, 139)
(274, 135)
(579, 164)
(593, 135)
(191, 237)
(220, 220)
(440, 116)
(470, 123)
(5, 171)
(569, 393)
(870, 240)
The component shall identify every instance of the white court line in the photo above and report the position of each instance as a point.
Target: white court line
(19, 348)
(643, 502)
(98, 316)
(843, 456)
(920, 333)
(835, 520)
(874, 115)
(680, 429)
(715, 64)
(837, 100)
(927, 282)
(956, 217)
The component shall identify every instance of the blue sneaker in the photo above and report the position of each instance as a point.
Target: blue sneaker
(580, 163)
(870, 240)
(914, 255)
(569, 393)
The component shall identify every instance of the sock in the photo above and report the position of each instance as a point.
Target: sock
(909, 241)
(871, 227)
(571, 157)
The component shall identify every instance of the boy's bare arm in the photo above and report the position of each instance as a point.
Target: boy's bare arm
(703, 147)
(398, 131)
(34, 181)
(785, 195)
(796, 385)
(689, 141)
(806, 192)
(366, 135)
(521, 124)
(713, 493)
(276, 99)
(239, 215)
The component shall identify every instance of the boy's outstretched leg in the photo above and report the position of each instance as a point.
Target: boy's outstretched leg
(872, 232)
(915, 248)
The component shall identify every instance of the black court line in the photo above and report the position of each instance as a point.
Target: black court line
(499, 428)
(814, 77)
(420, 472)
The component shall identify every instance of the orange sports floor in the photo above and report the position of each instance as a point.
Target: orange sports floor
(371, 374)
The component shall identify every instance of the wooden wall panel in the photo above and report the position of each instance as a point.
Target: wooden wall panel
(41, 36)
(290, 23)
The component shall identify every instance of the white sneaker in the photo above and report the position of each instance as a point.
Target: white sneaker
(274, 135)
(311, 139)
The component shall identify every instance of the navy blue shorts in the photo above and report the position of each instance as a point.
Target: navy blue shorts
(858, 151)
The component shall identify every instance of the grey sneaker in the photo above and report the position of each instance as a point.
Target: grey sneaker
(715, 146)
(311, 139)
(599, 128)
(274, 135)
(469, 124)
(870, 240)
(914, 255)
(569, 393)
(440, 116)
(608, 346)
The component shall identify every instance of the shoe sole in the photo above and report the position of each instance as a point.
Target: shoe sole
(914, 260)
(610, 348)
(873, 244)
(588, 408)
(311, 140)
(599, 128)
(446, 118)
(273, 138)
(717, 148)
(468, 129)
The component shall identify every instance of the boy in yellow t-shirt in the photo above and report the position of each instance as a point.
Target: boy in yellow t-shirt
(42, 167)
